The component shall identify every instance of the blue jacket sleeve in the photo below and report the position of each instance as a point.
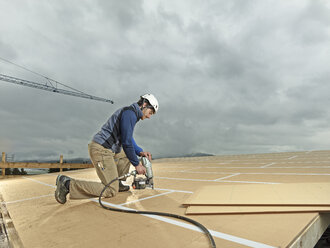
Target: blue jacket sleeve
(127, 123)
(136, 148)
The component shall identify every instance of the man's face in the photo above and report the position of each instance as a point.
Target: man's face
(147, 113)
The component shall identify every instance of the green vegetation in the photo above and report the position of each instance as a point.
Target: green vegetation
(15, 171)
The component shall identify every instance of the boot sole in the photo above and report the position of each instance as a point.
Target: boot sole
(55, 194)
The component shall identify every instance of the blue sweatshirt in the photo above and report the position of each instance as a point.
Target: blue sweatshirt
(117, 132)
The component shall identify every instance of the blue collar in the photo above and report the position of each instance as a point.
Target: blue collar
(137, 110)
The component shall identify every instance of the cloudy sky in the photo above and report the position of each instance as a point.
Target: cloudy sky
(231, 77)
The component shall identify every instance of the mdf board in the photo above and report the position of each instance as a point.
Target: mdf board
(216, 210)
(295, 194)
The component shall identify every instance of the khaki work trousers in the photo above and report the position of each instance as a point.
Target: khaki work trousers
(111, 166)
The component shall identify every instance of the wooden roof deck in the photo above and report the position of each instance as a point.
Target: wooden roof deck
(41, 222)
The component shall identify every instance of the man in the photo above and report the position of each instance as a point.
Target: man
(107, 155)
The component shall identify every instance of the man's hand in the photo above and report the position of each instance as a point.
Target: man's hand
(141, 170)
(146, 154)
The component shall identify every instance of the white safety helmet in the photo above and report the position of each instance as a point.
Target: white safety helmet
(152, 100)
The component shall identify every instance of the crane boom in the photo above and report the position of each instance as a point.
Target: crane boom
(51, 88)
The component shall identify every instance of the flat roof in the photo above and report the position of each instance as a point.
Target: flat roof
(41, 222)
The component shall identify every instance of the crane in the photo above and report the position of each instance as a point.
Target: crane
(51, 87)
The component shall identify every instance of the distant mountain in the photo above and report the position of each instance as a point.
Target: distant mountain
(195, 154)
(198, 154)
(77, 161)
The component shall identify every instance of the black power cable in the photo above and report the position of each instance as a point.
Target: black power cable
(157, 213)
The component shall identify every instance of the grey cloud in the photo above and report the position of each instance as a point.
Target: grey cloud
(231, 77)
(124, 14)
(311, 25)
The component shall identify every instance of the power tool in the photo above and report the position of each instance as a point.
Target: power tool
(147, 181)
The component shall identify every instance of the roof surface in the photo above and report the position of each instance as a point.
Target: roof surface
(41, 222)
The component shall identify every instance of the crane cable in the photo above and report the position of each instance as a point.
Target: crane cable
(38, 74)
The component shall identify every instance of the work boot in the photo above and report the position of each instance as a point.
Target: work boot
(62, 189)
(123, 187)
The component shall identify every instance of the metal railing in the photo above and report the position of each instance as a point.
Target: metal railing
(4, 164)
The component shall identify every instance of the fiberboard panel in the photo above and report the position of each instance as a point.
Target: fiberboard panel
(295, 194)
(216, 210)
